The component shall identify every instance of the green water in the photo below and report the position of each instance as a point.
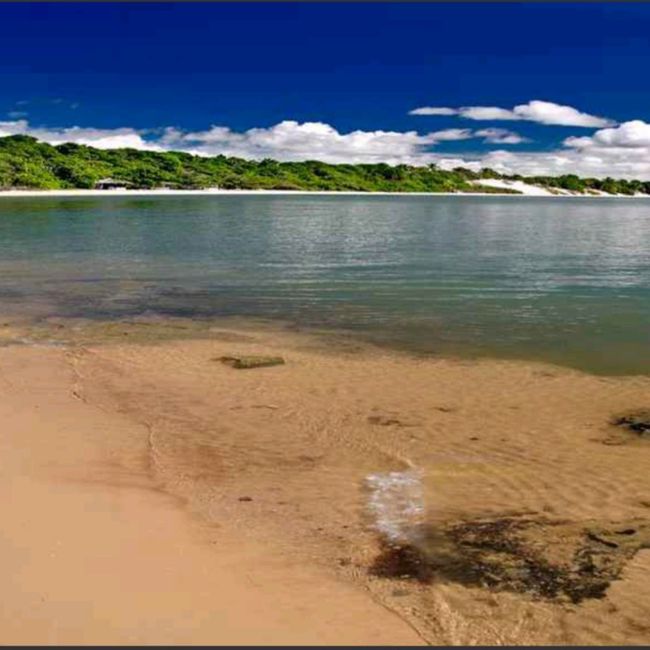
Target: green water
(557, 279)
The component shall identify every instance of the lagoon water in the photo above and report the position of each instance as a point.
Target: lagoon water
(565, 280)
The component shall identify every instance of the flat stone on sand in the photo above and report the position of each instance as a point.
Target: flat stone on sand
(246, 362)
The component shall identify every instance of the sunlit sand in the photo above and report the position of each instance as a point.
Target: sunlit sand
(155, 494)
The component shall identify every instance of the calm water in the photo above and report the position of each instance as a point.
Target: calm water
(564, 280)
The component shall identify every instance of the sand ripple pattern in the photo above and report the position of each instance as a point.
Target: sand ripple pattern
(285, 453)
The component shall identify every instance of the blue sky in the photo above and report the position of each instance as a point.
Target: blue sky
(143, 68)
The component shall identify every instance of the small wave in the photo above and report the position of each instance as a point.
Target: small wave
(396, 503)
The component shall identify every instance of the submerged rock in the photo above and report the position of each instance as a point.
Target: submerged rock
(247, 362)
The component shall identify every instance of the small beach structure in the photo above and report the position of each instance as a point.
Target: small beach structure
(111, 184)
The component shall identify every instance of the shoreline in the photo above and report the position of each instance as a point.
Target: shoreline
(160, 484)
(95, 551)
(22, 328)
(219, 192)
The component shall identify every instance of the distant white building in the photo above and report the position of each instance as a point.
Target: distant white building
(111, 184)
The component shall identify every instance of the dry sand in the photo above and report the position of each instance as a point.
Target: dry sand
(155, 495)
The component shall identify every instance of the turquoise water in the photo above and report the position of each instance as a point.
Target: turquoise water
(558, 279)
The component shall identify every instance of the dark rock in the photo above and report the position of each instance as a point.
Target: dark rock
(245, 499)
(388, 421)
(246, 362)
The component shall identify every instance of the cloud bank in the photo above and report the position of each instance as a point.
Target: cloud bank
(621, 151)
(99, 138)
(288, 141)
(536, 110)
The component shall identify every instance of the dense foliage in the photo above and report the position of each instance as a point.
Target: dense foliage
(28, 163)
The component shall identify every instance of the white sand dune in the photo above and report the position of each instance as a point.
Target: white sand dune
(525, 188)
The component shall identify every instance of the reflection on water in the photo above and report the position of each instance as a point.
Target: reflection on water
(564, 280)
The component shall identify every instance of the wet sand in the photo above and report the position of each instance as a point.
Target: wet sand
(156, 495)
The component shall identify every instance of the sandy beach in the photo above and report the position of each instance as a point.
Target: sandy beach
(154, 494)
(220, 192)
(525, 189)
(310, 345)
(95, 550)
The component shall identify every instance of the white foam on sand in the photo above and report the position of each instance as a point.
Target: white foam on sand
(396, 503)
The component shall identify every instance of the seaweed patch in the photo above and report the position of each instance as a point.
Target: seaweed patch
(636, 421)
(553, 560)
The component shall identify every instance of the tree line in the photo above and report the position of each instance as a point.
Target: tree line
(27, 163)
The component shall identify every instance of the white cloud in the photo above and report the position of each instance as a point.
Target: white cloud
(635, 133)
(287, 140)
(470, 112)
(500, 136)
(99, 138)
(550, 113)
(13, 128)
(452, 134)
(290, 140)
(578, 142)
(433, 110)
(614, 163)
(487, 113)
(536, 110)
(622, 151)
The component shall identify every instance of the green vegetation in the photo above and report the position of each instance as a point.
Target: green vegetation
(28, 163)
